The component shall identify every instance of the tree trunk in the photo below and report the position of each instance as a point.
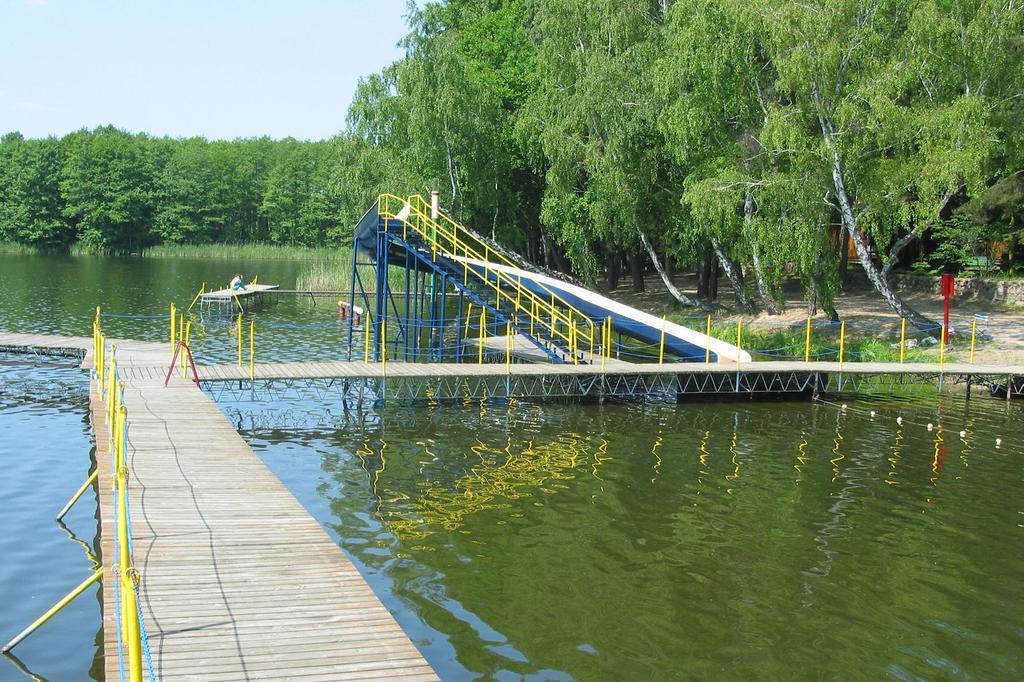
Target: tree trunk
(762, 286)
(714, 274)
(844, 258)
(859, 242)
(732, 271)
(636, 270)
(614, 267)
(704, 277)
(676, 294)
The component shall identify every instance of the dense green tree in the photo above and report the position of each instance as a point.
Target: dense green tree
(109, 186)
(30, 201)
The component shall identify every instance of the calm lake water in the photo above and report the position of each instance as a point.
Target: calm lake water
(552, 542)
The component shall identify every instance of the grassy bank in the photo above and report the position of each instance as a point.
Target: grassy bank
(246, 252)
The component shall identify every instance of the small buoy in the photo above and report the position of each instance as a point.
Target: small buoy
(872, 414)
(843, 406)
(899, 420)
(963, 434)
(930, 426)
(999, 441)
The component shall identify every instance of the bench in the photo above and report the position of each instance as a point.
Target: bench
(979, 264)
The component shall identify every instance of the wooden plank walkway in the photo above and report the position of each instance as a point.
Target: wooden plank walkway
(238, 580)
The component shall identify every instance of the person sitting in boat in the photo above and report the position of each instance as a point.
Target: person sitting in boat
(236, 283)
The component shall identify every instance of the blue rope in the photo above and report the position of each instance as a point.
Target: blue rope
(143, 634)
(135, 316)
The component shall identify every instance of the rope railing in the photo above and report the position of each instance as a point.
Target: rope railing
(130, 623)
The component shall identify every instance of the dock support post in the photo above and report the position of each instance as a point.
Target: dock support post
(382, 298)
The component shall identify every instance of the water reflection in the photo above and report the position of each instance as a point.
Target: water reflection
(569, 539)
(45, 451)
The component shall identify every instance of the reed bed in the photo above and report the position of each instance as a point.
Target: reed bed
(246, 252)
(336, 275)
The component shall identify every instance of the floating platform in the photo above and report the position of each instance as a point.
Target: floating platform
(236, 299)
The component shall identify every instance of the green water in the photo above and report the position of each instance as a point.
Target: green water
(526, 541)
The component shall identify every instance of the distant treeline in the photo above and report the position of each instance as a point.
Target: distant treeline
(111, 191)
(760, 139)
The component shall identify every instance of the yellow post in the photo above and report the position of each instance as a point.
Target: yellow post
(707, 344)
(807, 341)
(974, 335)
(508, 348)
(384, 347)
(660, 345)
(552, 313)
(604, 340)
(238, 333)
(903, 338)
(533, 315)
(842, 342)
(252, 349)
(572, 342)
(128, 609)
(173, 316)
(483, 323)
(942, 349)
(181, 337)
(111, 386)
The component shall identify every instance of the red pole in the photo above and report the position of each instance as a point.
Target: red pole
(945, 323)
(947, 293)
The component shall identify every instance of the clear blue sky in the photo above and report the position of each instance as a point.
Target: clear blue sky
(219, 68)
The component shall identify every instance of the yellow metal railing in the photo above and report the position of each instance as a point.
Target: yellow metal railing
(124, 569)
(549, 313)
(111, 393)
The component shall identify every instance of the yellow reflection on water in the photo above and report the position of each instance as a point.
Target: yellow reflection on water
(734, 459)
(839, 456)
(895, 456)
(801, 457)
(657, 458)
(502, 475)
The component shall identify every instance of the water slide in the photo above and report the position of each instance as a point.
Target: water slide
(679, 340)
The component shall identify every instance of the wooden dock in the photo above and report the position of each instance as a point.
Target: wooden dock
(238, 580)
